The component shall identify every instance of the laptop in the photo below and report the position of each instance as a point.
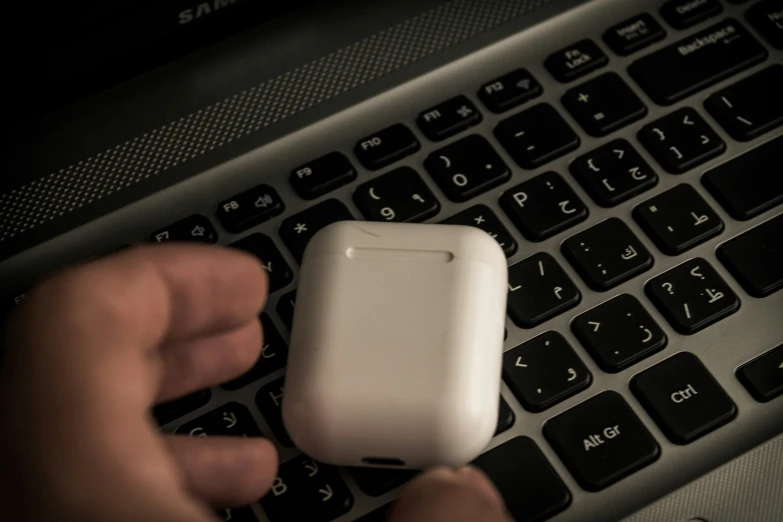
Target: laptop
(624, 154)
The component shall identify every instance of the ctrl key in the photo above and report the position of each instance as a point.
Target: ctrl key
(601, 441)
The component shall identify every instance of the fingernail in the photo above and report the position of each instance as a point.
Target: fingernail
(481, 483)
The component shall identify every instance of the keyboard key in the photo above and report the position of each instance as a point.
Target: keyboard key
(274, 355)
(619, 333)
(682, 14)
(322, 175)
(379, 515)
(539, 289)
(604, 104)
(533, 491)
(505, 417)
(387, 146)
(467, 168)
(678, 219)
(232, 419)
(17, 300)
(481, 216)
(749, 184)
(756, 258)
(168, 411)
(400, 196)
(195, 228)
(682, 140)
(634, 34)
(544, 371)
(269, 401)
(607, 254)
(285, 308)
(613, 173)
(763, 377)
(575, 61)
(536, 136)
(692, 296)
(297, 230)
(510, 90)
(249, 209)
(750, 107)
(683, 398)
(601, 441)
(376, 482)
(767, 18)
(306, 490)
(278, 271)
(697, 62)
(543, 206)
(243, 514)
(449, 118)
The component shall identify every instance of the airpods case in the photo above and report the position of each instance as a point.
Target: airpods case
(397, 342)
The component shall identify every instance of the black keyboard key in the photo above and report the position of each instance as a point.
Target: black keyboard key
(634, 34)
(168, 411)
(767, 18)
(756, 258)
(232, 419)
(274, 354)
(376, 482)
(750, 107)
(539, 289)
(249, 209)
(683, 398)
(607, 254)
(763, 377)
(536, 136)
(195, 228)
(467, 168)
(544, 371)
(613, 173)
(505, 417)
(749, 184)
(306, 490)
(678, 219)
(575, 61)
(510, 90)
(448, 118)
(297, 230)
(17, 300)
(604, 104)
(278, 271)
(285, 308)
(387, 146)
(682, 140)
(532, 492)
(481, 216)
(322, 175)
(243, 514)
(697, 62)
(400, 196)
(619, 333)
(269, 401)
(601, 441)
(692, 296)
(682, 14)
(543, 206)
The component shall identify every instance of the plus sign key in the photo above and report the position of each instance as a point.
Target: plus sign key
(604, 104)
(297, 230)
(481, 216)
(195, 228)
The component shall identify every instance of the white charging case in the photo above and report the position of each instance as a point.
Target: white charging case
(397, 343)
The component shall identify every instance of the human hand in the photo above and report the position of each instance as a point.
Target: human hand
(93, 348)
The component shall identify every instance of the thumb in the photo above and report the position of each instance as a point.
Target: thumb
(443, 495)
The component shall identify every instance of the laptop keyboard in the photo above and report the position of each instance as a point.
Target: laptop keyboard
(601, 440)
